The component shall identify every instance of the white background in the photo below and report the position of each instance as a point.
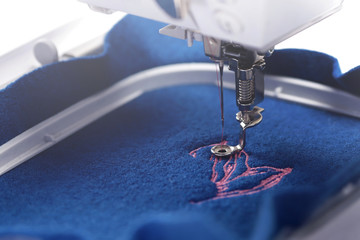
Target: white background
(338, 35)
(24, 20)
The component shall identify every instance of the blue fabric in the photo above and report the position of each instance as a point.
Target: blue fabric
(313, 66)
(37, 236)
(130, 175)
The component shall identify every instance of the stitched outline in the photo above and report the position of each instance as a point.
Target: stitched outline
(222, 185)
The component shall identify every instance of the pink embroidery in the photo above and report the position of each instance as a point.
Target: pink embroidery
(230, 175)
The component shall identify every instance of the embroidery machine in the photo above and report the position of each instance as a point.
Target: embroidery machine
(234, 35)
(239, 32)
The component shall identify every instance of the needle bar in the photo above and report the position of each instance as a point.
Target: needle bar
(221, 67)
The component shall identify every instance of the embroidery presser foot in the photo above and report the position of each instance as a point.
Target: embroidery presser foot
(248, 66)
(247, 119)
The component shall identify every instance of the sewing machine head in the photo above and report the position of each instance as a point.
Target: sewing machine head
(241, 33)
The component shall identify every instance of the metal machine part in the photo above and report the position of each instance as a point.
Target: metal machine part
(249, 79)
(246, 119)
(249, 83)
(247, 66)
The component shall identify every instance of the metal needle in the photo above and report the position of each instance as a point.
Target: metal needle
(221, 67)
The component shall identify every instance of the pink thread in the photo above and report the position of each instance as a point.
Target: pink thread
(229, 168)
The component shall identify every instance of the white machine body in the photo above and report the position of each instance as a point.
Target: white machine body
(254, 24)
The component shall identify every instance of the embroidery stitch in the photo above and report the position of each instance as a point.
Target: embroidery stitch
(230, 175)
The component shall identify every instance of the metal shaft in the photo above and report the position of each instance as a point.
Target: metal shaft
(245, 87)
(221, 67)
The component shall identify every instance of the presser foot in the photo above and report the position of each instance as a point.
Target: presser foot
(247, 119)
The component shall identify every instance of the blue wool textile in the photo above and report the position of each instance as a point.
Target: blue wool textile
(129, 175)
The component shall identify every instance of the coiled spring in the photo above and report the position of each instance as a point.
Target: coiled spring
(245, 91)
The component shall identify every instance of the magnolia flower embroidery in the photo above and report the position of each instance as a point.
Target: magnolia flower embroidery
(228, 176)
